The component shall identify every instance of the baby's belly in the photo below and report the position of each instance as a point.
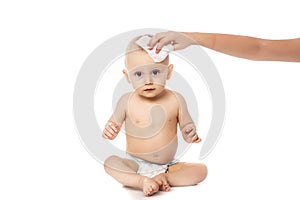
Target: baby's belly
(157, 149)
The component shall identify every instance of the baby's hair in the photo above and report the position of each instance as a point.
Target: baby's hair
(134, 47)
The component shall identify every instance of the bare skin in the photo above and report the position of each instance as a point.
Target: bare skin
(180, 174)
(151, 114)
(251, 48)
(124, 171)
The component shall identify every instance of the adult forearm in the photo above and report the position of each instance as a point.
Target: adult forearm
(249, 47)
(235, 45)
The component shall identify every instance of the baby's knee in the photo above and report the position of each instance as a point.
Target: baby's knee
(202, 168)
(110, 162)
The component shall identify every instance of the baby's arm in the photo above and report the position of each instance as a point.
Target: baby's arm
(186, 124)
(114, 124)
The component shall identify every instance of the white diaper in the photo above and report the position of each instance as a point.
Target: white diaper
(150, 169)
(157, 57)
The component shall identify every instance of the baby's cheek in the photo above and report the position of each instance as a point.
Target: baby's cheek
(160, 80)
(136, 85)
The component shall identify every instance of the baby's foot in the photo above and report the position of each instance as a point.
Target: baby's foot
(149, 186)
(162, 181)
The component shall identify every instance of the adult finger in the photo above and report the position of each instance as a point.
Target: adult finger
(163, 42)
(155, 39)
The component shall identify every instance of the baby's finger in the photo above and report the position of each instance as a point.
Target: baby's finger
(113, 126)
(109, 134)
(196, 139)
(110, 129)
(106, 134)
(188, 130)
(191, 133)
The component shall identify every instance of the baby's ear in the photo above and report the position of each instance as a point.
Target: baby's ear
(126, 75)
(170, 69)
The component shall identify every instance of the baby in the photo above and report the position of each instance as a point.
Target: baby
(151, 114)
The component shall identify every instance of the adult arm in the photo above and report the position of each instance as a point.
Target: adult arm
(235, 45)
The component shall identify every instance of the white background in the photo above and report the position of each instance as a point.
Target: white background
(42, 48)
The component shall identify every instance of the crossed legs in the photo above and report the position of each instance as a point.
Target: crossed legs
(181, 174)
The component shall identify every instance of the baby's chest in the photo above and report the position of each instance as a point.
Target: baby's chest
(153, 113)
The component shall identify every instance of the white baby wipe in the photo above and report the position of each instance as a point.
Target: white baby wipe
(157, 57)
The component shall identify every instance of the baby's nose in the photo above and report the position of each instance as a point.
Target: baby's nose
(148, 79)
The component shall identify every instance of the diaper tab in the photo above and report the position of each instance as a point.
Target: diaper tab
(157, 57)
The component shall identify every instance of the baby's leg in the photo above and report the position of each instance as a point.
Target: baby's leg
(124, 171)
(185, 174)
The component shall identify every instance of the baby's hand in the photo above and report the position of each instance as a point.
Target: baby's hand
(111, 130)
(190, 135)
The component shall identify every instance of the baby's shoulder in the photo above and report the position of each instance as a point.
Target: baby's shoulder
(176, 98)
(126, 95)
(124, 98)
(176, 95)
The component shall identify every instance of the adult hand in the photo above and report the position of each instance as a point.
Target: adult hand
(177, 39)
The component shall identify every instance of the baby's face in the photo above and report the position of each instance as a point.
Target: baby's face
(147, 77)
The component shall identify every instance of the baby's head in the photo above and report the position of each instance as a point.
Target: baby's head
(147, 77)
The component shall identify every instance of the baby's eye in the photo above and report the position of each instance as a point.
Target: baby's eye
(138, 74)
(155, 72)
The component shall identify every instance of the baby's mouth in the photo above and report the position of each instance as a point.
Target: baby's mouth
(149, 89)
